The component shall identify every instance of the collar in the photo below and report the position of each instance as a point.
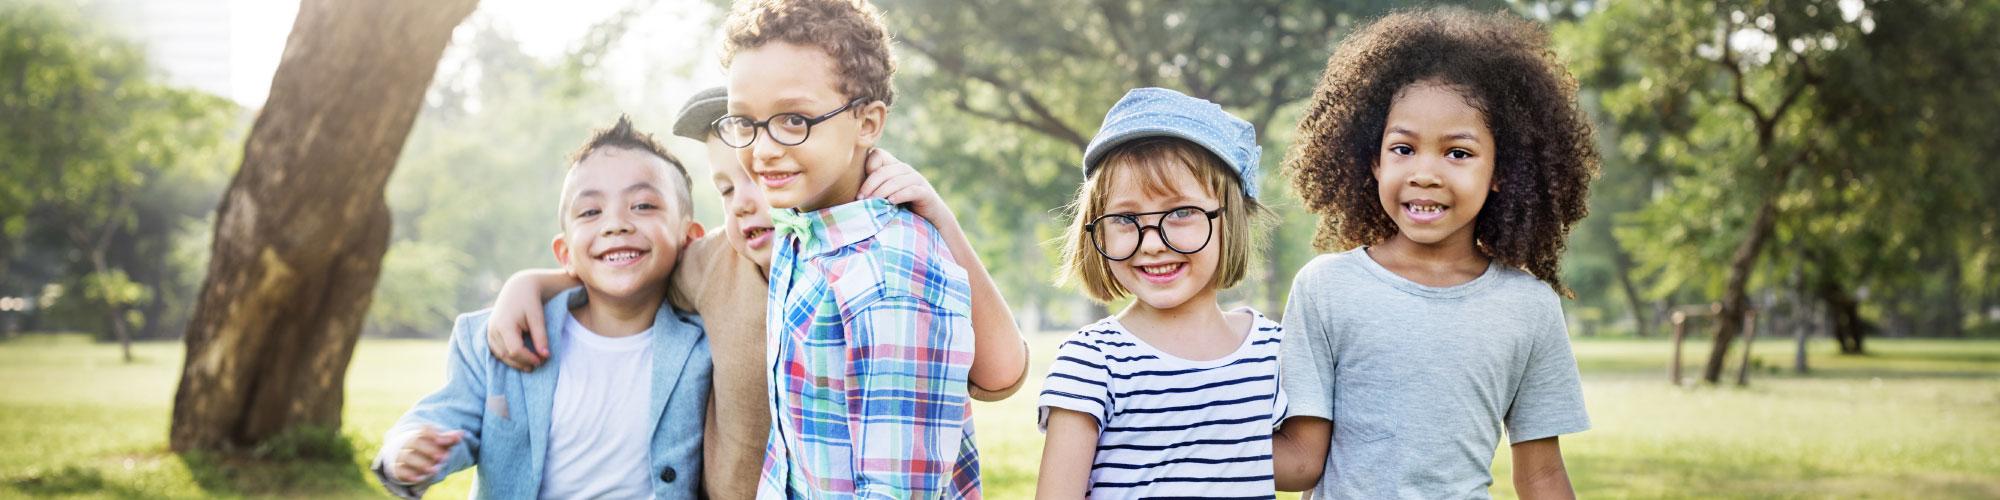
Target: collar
(825, 230)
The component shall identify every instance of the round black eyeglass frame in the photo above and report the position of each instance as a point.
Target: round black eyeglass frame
(764, 127)
(1091, 229)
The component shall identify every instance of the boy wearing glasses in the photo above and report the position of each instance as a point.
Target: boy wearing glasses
(869, 316)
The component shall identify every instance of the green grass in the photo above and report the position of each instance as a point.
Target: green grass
(1915, 418)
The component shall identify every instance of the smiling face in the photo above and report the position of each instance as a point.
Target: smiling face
(1435, 167)
(1158, 276)
(746, 218)
(622, 230)
(825, 170)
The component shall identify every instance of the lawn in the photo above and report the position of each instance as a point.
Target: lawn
(1915, 418)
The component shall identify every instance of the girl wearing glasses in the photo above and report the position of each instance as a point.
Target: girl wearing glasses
(1172, 396)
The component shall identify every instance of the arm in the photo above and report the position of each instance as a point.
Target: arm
(906, 396)
(1000, 361)
(1298, 452)
(517, 309)
(415, 442)
(1067, 454)
(1539, 471)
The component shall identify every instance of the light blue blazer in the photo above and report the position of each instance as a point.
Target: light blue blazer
(505, 413)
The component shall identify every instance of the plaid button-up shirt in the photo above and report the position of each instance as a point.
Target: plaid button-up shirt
(870, 346)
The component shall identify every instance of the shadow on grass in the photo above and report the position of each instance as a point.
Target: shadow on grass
(70, 480)
(304, 460)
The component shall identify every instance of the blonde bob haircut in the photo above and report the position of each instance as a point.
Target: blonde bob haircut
(1156, 160)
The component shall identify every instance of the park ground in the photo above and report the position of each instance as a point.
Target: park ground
(1911, 419)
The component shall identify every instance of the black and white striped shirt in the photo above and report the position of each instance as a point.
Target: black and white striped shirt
(1172, 427)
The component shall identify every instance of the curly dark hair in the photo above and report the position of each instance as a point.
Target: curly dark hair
(1501, 65)
(850, 31)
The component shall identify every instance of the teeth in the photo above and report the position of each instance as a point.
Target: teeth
(621, 256)
(1427, 209)
(1160, 269)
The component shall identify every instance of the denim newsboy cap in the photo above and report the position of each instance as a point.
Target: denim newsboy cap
(1158, 112)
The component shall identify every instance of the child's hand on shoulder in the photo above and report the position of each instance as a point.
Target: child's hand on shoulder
(516, 310)
(889, 178)
(423, 453)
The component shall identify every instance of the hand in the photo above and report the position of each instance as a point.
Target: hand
(423, 454)
(518, 309)
(891, 179)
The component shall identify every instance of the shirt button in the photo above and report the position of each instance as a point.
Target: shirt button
(667, 474)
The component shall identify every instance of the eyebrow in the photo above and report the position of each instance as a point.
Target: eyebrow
(637, 186)
(1393, 130)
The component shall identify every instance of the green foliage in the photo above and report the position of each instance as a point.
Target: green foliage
(101, 165)
(1838, 111)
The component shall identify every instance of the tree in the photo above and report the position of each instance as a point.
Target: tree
(301, 230)
(100, 159)
(1767, 121)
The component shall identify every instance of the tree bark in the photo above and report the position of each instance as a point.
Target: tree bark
(1735, 298)
(1843, 316)
(300, 233)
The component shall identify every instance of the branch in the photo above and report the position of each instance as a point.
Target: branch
(1046, 122)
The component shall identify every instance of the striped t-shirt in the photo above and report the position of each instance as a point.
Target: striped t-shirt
(1171, 427)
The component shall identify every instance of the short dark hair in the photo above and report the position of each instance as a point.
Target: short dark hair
(623, 135)
(1500, 64)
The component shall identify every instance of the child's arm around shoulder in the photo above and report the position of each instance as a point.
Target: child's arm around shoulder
(440, 434)
(1000, 362)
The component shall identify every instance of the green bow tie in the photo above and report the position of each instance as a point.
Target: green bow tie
(788, 221)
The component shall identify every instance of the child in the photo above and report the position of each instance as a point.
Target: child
(1448, 147)
(724, 274)
(620, 416)
(869, 317)
(1173, 396)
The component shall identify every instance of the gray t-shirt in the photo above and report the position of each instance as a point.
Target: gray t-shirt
(1419, 380)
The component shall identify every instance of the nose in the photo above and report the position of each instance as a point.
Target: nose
(764, 149)
(615, 224)
(1425, 177)
(1154, 245)
(743, 202)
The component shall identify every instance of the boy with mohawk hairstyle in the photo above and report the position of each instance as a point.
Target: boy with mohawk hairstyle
(620, 415)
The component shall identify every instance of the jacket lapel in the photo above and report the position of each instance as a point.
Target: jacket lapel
(541, 385)
(674, 339)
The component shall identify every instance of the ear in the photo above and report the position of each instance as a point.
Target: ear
(561, 250)
(694, 232)
(874, 119)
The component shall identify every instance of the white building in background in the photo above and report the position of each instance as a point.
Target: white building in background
(188, 41)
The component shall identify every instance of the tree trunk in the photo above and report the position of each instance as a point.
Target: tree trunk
(300, 233)
(1843, 316)
(1735, 299)
(1621, 264)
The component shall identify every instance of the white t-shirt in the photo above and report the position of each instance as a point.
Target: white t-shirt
(1170, 426)
(599, 436)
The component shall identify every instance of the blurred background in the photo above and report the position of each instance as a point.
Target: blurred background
(1788, 286)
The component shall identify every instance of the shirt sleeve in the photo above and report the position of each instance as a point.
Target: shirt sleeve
(1079, 381)
(1549, 400)
(458, 406)
(909, 363)
(1305, 360)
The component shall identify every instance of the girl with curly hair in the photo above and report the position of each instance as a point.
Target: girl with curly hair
(1446, 156)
